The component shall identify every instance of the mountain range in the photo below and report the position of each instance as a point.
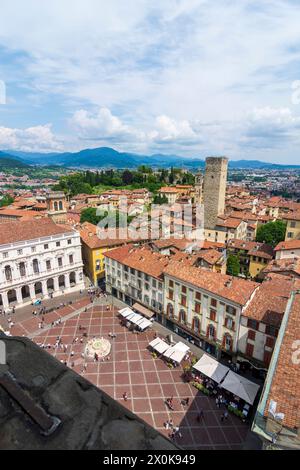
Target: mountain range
(106, 157)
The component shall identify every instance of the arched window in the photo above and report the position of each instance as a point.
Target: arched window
(8, 273)
(227, 342)
(182, 316)
(170, 310)
(211, 332)
(55, 206)
(60, 205)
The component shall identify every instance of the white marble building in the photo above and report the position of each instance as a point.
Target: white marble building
(38, 259)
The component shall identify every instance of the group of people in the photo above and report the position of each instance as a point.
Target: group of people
(5, 312)
(175, 431)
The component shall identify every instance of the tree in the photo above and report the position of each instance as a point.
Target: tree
(233, 265)
(6, 200)
(89, 215)
(127, 177)
(271, 233)
(158, 199)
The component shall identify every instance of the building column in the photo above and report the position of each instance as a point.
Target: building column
(44, 288)
(19, 295)
(5, 303)
(56, 284)
(32, 291)
(67, 281)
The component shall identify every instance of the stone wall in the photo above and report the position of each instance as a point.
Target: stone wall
(214, 189)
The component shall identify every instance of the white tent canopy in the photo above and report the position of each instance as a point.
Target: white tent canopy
(181, 347)
(135, 318)
(125, 312)
(154, 342)
(211, 368)
(159, 345)
(177, 352)
(240, 386)
(145, 324)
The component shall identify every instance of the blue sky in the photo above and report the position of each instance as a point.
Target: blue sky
(191, 77)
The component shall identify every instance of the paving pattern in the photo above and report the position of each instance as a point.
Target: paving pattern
(130, 368)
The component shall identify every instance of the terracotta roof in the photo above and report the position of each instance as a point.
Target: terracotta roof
(243, 244)
(11, 232)
(183, 243)
(232, 288)
(230, 223)
(291, 216)
(210, 256)
(285, 382)
(20, 213)
(289, 266)
(263, 250)
(243, 215)
(140, 258)
(288, 245)
(168, 189)
(88, 234)
(270, 300)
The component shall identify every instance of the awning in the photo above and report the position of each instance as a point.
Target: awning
(240, 386)
(143, 310)
(211, 368)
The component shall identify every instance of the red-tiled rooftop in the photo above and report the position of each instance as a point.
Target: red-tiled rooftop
(288, 245)
(270, 300)
(11, 232)
(285, 383)
(290, 266)
(140, 258)
(232, 288)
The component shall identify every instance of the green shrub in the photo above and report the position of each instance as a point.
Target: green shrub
(201, 388)
(235, 411)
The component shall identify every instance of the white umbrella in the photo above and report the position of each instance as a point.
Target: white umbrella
(240, 386)
(211, 368)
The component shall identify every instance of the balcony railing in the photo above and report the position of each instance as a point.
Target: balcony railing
(32, 276)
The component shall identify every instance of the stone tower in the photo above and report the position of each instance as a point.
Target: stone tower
(57, 206)
(198, 188)
(214, 189)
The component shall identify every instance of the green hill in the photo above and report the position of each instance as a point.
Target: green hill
(7, 162)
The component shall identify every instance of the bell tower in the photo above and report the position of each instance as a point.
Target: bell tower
(57, 207)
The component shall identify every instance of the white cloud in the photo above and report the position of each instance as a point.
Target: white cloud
(171, 131)
(38, 138)
(103, 126)
(179, 75)
(269, 127)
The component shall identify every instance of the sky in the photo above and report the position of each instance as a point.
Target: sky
(186, 77)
